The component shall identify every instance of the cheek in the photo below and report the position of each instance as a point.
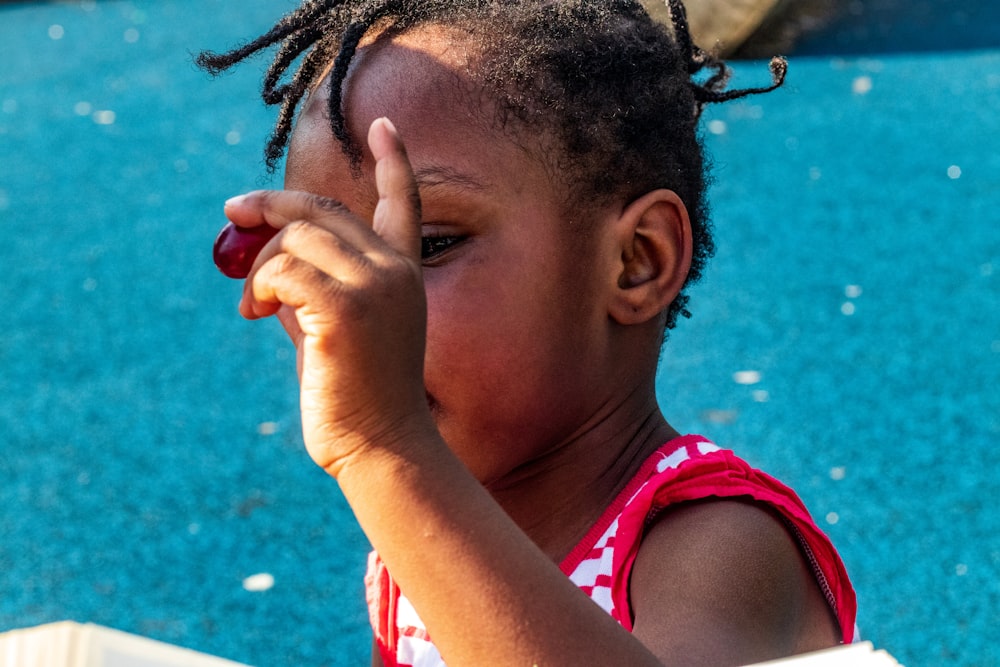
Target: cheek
(465, 328)
(520, 314)
(493, 343)
(477, 345)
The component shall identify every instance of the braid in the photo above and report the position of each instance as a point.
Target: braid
(404, 13)
(338, 123)
(299, 31)
(778, 67)
(620, 94)
(216, 63)
(695, 56)
(713, 89)
(289, 96)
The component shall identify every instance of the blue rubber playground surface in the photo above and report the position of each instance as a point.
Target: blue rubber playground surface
(846, 338)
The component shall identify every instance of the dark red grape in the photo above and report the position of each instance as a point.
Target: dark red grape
(237, 247)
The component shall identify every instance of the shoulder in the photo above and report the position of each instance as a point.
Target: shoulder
(724, 582)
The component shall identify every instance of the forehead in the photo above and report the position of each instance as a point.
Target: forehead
(415, 70)
(425, 81)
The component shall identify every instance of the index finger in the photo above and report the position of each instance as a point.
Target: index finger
(397, 214)
(279, 208)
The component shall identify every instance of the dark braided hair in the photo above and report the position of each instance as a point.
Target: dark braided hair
(620, 93)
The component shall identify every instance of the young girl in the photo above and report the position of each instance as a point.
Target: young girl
(491, 212)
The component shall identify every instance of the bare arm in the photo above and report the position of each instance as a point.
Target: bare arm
(724, 583)
(484, 591)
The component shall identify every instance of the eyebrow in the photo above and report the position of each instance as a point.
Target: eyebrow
(433, 176)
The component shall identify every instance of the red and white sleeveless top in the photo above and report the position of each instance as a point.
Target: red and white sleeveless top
(685, 469)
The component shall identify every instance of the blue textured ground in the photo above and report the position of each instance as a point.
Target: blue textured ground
(149, 456)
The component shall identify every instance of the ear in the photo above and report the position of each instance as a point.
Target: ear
(654, 236)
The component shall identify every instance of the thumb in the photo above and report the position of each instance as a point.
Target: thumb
(397, 215)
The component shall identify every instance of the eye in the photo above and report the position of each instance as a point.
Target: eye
(432, 246)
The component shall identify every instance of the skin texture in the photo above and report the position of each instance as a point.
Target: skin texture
(480, 408)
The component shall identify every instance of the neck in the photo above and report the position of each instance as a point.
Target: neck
(557, 497)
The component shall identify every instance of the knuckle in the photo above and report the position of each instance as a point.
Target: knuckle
(265, 198)
(296, 229)
(283, 263)
(327, 205)
(352, 305)
(299, 235)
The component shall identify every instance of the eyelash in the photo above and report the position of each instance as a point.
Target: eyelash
(432, 246)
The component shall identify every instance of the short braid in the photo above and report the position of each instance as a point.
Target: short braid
(713, 89)
(338, 124)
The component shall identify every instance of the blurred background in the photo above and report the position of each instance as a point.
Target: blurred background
(846, 337)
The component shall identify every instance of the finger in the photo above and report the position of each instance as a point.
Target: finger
(280, 208)
(257, 217)
(300, 244)
(333, 251)
(286, 283)
(290, 321)
(397, 215)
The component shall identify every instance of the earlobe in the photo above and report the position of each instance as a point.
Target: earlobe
(654, 233)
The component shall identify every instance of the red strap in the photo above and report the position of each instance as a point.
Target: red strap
(382, 594)
(722, 474)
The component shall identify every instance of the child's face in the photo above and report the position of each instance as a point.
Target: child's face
(517, 346)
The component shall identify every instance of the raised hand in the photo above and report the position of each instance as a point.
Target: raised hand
(351, 298)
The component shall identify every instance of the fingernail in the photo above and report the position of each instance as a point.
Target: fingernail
(235, 201)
